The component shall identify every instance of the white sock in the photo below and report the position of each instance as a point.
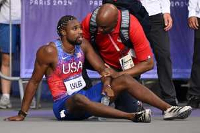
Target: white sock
(6, 95)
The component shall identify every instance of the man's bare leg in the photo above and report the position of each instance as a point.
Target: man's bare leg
(140, 92)
(5, 84)
(5, 69)
(80, 104)
(126, 82)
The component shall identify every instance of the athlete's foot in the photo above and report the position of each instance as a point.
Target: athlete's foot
(143, 116)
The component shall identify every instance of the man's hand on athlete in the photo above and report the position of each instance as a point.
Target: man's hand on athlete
(111, 72)
(15, 118)
(168, 21)
(106, 72)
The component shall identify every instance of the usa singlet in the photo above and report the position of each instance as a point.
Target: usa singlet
(67, 78)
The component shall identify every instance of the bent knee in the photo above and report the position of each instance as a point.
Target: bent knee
(80, 100)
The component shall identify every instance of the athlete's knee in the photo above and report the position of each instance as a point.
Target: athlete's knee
(80, 100)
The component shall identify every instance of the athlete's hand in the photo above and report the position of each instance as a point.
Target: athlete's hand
(107, 89)
(15, 118)
(168, 21)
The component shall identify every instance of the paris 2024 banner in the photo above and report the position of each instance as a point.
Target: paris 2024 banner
(40, 17)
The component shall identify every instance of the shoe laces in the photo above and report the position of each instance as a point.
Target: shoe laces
(173, 109)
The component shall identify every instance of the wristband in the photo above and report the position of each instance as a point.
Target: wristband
(22, 113)
(107, 86)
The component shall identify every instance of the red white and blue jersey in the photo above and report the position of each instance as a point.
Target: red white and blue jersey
(67, 78)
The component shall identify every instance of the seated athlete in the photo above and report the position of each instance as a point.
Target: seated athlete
(62, 61)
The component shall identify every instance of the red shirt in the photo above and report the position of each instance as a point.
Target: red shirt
(106, 48)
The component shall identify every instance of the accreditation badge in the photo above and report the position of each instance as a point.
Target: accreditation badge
(126, 62)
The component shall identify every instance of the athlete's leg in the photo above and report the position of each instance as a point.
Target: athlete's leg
(79, 104)
(126, 82)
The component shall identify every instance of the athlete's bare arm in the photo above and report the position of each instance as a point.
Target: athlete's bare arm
(46, 57)
(98, 65)
(92, 57)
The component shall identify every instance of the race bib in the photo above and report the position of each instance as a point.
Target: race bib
(126, 62)
(74, 85)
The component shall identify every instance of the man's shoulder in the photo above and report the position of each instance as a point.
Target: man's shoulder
(133, 18)
(47, 50)
(47, 47)
(134, 23)
(47, 54)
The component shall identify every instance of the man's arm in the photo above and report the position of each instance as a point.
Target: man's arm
(165, 9)
(44, 57)
(192, 8)
(139, 68)
(165, 6)
(98, 64)
(142, 49)
(192, 19)
(94, 59)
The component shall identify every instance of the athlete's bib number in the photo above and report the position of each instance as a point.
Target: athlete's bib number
(74, 85)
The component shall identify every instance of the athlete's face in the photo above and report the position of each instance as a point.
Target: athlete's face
(74, 32)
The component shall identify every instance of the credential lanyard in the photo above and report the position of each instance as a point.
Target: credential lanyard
(115, 45)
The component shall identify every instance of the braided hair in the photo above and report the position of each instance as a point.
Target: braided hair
(63, 23)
